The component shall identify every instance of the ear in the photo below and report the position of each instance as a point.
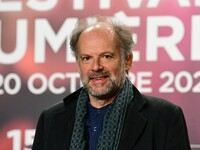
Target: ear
(129, 61)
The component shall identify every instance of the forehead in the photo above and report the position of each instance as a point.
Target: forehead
(100, 28)
(100, 37)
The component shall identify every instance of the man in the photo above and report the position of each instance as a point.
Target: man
(109, 113)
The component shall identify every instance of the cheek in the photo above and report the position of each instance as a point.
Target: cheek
(120, 70)
(115, 70)
(83, 70)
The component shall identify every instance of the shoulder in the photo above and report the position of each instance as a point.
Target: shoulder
(156, 107)
(152, 104)
(68, 104)
(158, 102)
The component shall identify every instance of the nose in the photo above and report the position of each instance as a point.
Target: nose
(96, 65)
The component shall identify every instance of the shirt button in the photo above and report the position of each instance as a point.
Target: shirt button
(95, 129)
(99, 111)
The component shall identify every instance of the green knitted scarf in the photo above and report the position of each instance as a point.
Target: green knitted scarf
(112, 125)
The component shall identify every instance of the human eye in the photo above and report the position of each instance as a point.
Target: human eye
(107, 56)
(85, 59)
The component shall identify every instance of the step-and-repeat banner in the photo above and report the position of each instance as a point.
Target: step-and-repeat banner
(37, 68)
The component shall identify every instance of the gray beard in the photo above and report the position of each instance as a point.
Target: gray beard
(111, 91)
(106, 94)
(113, 88)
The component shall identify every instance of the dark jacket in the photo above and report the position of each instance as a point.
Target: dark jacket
(150, 124)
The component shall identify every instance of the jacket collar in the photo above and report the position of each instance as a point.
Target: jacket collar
(133, 126)
(134, 122)
(64, 121)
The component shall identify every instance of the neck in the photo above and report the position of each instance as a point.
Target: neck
(99, 103)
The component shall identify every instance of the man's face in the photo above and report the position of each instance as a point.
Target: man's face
(101, 65)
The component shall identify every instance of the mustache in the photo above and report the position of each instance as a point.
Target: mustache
(98, 74)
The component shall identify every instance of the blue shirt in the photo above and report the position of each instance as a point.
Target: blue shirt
(94, 125)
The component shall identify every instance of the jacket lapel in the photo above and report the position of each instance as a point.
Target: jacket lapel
(134, 123)
(64, 122)
(63, 129)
